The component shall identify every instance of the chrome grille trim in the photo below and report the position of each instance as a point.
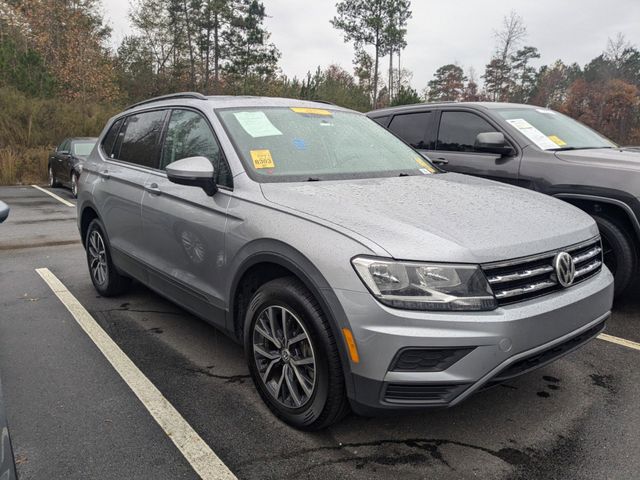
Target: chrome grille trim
(528, 277)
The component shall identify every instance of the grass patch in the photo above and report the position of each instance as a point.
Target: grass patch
(24, 165)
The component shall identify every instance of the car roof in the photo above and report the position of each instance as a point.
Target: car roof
(229, 101)
(419, 106)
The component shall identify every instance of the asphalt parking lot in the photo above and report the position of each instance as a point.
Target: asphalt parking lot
(71, 416)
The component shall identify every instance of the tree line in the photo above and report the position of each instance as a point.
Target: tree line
(58, 69)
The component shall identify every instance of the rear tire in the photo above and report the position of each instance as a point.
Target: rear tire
(301, 381)
(74, 185)
(618, 251)
(52, 179)
(105, 277)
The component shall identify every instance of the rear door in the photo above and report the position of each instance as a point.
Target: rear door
(133, 154)
(454, 149)
(184, 227)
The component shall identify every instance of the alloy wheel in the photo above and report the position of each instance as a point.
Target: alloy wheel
(284, 356)
(98, 258)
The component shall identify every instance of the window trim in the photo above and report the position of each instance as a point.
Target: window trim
(486, 118)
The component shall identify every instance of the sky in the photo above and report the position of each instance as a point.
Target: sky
(439, 32)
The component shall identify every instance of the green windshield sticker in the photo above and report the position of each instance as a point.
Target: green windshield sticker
(257, 124)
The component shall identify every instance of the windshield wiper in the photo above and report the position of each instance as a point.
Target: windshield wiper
(565, 149)
(313, 179)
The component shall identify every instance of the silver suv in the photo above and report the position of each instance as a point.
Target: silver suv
(355, 273)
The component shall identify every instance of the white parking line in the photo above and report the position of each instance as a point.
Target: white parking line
(203, 460)
(619, 341)
(60, 199)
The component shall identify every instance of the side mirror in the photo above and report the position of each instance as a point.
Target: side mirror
(4, 211)
(194, 172)
(493, 142)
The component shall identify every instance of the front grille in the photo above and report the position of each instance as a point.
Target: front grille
(416, 393)
(542, 358)
(427, 359)
(530, 277)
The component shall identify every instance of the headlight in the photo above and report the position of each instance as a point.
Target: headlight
(426, 286)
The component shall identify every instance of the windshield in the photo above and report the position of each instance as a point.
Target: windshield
(551, 130)
(292, 144)
(83, 149)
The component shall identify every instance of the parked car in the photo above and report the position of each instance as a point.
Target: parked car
(539, 149)
(65, 163)
(351, 269)
(7, 462)
(4, 211)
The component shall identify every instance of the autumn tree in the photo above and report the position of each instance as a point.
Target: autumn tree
(447, 84)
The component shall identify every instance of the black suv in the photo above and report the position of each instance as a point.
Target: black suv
(539, 149)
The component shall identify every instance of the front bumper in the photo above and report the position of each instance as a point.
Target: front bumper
(506, 342)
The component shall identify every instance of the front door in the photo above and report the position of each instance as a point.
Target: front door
(183, 226)
(455, 150)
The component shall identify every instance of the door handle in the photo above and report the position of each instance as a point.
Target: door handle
(441, 161)
(153, 189)
(104, 174)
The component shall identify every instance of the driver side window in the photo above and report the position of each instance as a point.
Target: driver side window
(458, 131)
(189, 135)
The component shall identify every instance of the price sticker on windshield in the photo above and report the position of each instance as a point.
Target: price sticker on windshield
(557, 140)
(262, 159)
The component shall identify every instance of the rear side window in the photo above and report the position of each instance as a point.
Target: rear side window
(140, 139)
(64, 145)
(189, 135)
(413, 129)
(109, 139)
(458, 131)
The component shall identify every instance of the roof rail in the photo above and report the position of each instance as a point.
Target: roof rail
(323, 101)
(171, 96)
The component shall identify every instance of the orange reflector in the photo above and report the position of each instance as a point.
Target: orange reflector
(351, 343)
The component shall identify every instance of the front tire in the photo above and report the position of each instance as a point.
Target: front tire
(618, 251)
(105, 277)
(293, 357)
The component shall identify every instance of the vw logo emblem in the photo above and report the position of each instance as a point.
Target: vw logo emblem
(565, 269)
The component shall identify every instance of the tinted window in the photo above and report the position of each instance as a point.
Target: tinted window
(140, 140)
(189, 135)
(65, 143)
(412, 128)
(110, 138)
(384, 121)
(458, 131)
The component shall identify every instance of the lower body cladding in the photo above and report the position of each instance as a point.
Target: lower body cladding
(414, 360)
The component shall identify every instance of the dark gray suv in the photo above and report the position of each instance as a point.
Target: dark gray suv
(539, 149)
(352, 270)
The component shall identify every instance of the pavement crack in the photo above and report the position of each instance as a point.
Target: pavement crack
(228, 378)
(430, 447)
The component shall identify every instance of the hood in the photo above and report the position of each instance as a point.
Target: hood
(446, 217)
(604, 157)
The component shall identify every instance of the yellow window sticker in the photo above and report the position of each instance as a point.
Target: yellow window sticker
(312, 111)
(425, 165)
(262, 159)
(557, 140)
(421, 162)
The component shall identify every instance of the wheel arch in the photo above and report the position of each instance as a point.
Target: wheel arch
(594, 204)
(88, 213)
(262, 263)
